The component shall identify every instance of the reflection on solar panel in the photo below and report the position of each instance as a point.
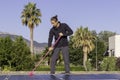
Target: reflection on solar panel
(62, 77)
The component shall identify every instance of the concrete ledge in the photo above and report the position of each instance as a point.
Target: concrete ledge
(57, 72)
(96, 72)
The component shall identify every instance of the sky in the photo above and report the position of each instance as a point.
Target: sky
(98, 15)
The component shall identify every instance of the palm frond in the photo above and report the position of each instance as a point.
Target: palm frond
(83, 38)
(31, 15)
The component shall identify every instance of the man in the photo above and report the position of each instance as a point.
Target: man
(63, 30)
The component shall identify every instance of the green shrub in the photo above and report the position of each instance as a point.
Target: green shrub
(89, 65)
(108, 64)
(118, 64)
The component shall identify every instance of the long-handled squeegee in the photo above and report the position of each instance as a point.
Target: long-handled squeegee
(31, 73)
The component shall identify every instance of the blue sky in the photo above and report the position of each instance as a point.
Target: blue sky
(98, 15)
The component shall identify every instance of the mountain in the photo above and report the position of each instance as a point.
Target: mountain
(38, 47)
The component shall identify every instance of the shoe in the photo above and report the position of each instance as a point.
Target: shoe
(66, 73)
(52, 73)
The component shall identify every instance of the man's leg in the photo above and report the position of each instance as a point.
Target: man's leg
(54, 57)
(65, 53)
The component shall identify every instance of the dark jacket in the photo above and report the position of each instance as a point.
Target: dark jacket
(54, 32)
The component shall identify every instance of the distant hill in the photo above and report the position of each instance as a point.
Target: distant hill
(38, 47)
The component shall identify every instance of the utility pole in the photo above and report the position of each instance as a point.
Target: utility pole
(96, 57)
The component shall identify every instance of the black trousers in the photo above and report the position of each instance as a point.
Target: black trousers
(65, 54)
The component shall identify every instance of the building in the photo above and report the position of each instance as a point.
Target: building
(114, 46)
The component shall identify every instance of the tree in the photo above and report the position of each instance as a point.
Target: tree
(84, 38)
(6, 46)
(21, 55)
(104, 36)
(31, 18)
(76, 56)
(101, 48)
(15, 54)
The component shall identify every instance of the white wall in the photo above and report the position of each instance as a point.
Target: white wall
(117, 45)
(111, 45)
(114, 46)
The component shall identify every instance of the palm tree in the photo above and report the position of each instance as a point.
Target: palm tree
(83, 38)
(31, 18)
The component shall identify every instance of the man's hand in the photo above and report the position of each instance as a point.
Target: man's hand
(60, 34)
(50, 48)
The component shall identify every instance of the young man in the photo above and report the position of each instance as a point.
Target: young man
(63, 30)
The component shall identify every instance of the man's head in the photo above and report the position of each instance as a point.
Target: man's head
(54, 21)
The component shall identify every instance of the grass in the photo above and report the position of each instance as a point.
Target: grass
(60, 68)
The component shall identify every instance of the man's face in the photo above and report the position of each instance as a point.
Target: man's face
(54, 23)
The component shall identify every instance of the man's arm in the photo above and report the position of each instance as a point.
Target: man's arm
(50, 39)
(68, 31)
